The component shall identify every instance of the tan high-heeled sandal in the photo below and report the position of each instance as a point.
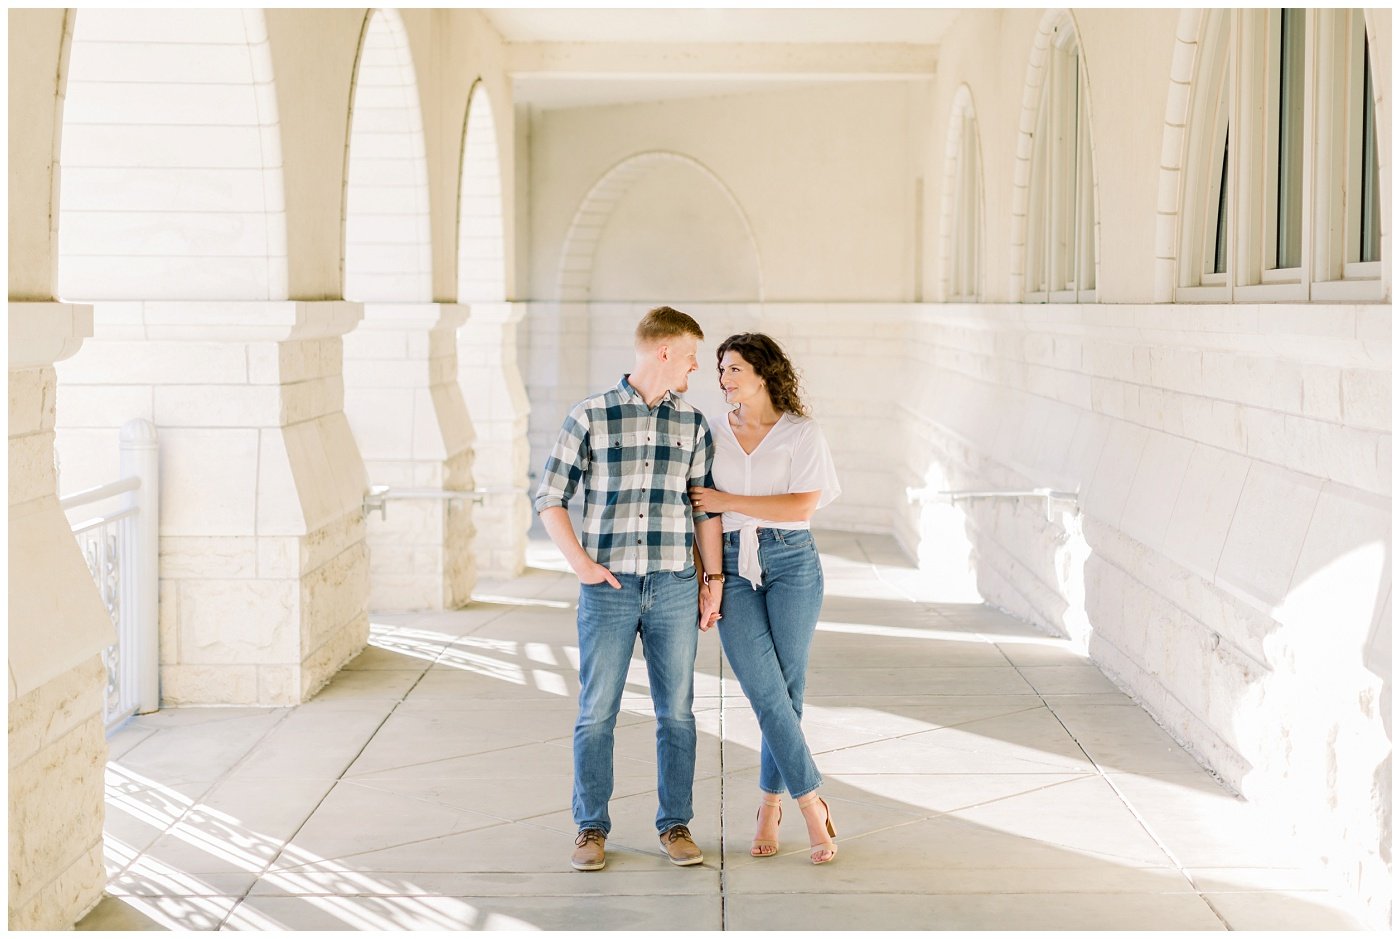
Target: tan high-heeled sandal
(760, 843)
(830, 843)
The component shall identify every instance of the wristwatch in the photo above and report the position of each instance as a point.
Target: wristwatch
(712, 578)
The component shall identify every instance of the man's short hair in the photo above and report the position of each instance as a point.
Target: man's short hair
(666, 323)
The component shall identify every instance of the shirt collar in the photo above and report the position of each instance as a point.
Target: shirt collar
(625, 388)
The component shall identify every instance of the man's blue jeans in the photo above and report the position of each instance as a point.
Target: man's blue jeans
(767, 637)
(663, 608)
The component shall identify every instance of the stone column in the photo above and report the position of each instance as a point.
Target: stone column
(489, 374)
(58, 629)
(408, 417)
(263, 566)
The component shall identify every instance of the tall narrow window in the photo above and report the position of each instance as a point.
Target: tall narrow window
(1370, 204)
(965, 221)
(1061, 215)
(1288, 245)
(1219, 261)
(1204, 221)
(1271, 90)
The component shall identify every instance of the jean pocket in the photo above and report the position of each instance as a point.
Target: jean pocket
(686, 575)
(798, 539)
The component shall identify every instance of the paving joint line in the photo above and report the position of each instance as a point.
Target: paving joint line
(339, 777)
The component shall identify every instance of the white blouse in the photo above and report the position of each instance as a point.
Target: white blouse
(793, 457)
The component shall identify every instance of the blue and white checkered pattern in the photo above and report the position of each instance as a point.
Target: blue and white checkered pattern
(636, 465)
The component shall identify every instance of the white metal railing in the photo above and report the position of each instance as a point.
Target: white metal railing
(379, 497)
(121, 547)
(953, 496)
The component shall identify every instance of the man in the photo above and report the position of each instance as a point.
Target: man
(636, 449)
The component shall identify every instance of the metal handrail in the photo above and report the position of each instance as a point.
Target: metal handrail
(101, 520)
(951, 496)
(98, 493)
(378, 497)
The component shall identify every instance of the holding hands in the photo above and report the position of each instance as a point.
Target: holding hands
(710, 596)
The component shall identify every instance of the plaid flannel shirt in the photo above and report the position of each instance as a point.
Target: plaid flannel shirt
(636, 465)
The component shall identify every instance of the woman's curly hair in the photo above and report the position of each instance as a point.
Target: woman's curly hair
(772, 365)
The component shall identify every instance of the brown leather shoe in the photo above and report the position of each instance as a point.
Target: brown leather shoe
(588, 850)
(680, 847)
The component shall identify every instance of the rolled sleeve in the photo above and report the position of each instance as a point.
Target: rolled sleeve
(701, 461)
(567, 463)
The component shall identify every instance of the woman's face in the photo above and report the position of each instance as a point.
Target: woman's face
(738, 380)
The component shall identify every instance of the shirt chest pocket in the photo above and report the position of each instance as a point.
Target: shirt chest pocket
(679, 450)
(616, 454)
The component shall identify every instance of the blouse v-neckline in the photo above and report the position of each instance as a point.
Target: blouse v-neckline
(761, 442)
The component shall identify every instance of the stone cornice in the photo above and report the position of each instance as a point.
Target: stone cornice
(222, 320)
(42, 333)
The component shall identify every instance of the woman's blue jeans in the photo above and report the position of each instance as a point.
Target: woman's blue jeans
(767, 637)
(664, 609)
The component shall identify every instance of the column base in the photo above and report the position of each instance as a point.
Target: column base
(263, 563)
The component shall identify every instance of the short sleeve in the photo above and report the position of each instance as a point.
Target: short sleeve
(813, 467)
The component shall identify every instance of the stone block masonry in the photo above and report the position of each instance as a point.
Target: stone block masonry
(412, 425)
(58, 627)
(264, 565)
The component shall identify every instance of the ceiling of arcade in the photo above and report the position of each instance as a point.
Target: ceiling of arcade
(582, 58)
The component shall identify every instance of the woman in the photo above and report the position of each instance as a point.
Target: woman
(772, 470)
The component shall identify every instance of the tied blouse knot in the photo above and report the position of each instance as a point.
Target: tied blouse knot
(793, 457)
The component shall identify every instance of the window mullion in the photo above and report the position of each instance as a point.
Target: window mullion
(1369, 233)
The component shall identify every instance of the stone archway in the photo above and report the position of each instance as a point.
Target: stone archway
(401, 399)
(173, 223)
(487, 348)
(575, 273)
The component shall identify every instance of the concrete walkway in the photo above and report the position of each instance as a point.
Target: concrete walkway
(981, 776)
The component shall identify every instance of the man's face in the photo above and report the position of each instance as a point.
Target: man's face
(680, 361)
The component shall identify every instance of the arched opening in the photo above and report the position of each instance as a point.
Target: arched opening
(172, 163)
(388, 254)
(481, 252)
(695, 222)
(488, 366)
(962, 203)
(401, 397)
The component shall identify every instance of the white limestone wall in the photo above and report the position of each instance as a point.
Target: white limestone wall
(489, 375)
(411, 425)
(832, 210)
(1231, 567)
(171, 156)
